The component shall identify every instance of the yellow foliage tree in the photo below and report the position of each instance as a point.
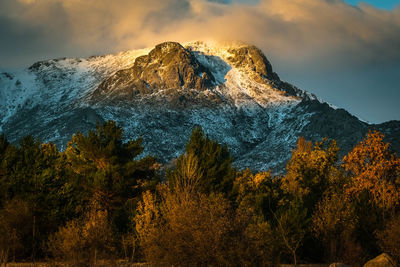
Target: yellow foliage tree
(184, 229)
(373, 168)
(67, 244)
(310, 170)
(83, 241)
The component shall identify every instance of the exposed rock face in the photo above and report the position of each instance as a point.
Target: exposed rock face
(383, 260)
(253, 59)
(160, 94)
(169, 68)
(337, 124)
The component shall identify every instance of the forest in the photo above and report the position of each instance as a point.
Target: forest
(101, 202)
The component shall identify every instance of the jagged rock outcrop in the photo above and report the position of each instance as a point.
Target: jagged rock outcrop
(253, 61)
(169, 68)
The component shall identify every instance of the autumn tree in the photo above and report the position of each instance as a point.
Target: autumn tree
(185, 230)
(67, 244)
(310, 170)
(83, 241)
(374, 169)
(183, 226)
(334, 222)
(256, 241)
(259, 191)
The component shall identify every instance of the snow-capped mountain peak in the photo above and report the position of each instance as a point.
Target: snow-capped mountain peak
(236, 74)
(161, 93)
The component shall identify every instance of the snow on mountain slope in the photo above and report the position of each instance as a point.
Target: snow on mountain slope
(236, 81)
(15, 91)
(58, 81)
(161, 93)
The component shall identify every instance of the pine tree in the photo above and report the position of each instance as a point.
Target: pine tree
(214, 163)
(108, 169)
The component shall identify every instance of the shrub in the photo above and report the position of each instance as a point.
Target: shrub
(83, 242)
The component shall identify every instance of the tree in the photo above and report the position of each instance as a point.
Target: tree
(373, 172)
(374, 169)
(185, 230)
(97, 234)
(310, 171)
(33, 172)
(15, 232)
(292, 226)
(3, 145)
(183, 226)
(214, 163)
(334, 222)
(5, 166)
(259, 191)
(187, 175)
(257, 242)
(84, 240)
(109, 171)
(67, 244)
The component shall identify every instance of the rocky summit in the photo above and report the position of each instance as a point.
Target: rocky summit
(161, 93)
(169, 69)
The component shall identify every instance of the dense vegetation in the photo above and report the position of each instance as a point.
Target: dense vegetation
(101, 200)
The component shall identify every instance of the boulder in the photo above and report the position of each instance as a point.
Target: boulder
(338, 264)
(383, 260)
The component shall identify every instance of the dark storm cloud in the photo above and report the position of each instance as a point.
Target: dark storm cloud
(307, 41)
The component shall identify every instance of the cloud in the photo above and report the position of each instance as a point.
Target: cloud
(301, 37)
(292, 29)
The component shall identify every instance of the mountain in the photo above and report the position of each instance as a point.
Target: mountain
(161, 93)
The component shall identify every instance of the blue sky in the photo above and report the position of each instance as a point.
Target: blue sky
(383, 4)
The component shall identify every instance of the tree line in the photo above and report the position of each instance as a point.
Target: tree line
(101, 200)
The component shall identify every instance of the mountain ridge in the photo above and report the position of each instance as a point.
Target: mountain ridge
(162, 93)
